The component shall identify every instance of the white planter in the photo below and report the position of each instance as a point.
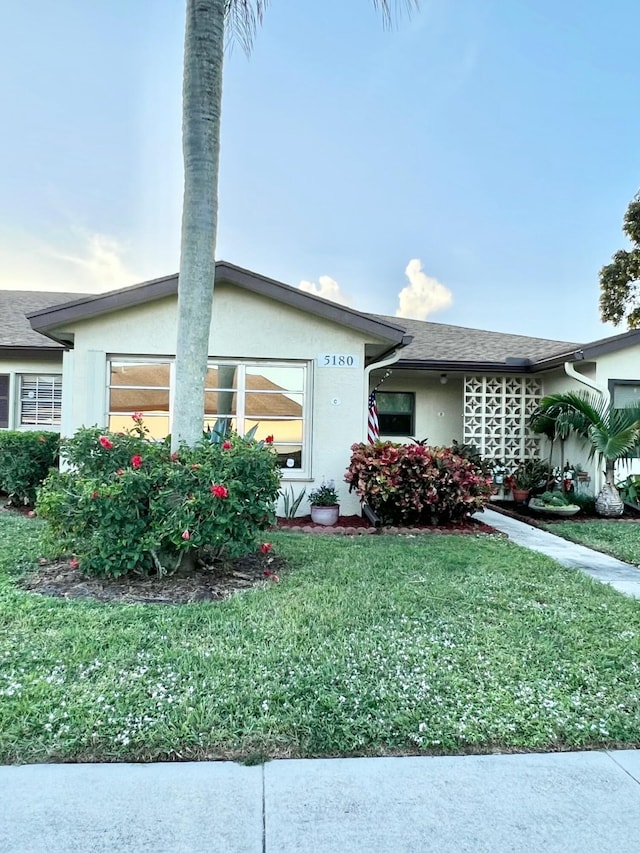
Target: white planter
(326, 515)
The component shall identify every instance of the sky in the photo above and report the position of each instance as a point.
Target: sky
(470, 166)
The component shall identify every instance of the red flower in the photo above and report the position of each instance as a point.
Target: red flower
(74, 563)
(136, 461)
(268, 439)
(226, 445)
(137, 416)
(196, 465)
(186, 534)
(271, 575)
(175, 456)
(266, 547)
(95, 495)
(104, 441)
(219, 491)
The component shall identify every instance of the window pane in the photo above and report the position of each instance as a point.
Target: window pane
(273, 405)
(222, 376)
(220, 403)
(626, 395)
(158, 426)
(394, 402)
(275, 378)
(221, 425)
(144, 374)
(4, 402)
(282, 431)
(395, 424)
(145, 400)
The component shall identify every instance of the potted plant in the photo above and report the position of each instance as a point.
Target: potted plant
(554, 503)
(527, 475)
(324, 504)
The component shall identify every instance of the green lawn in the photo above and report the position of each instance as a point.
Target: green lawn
(619, 538)
(368, 645)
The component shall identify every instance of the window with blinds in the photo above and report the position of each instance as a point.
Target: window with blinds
(4, 401)
(40, 399)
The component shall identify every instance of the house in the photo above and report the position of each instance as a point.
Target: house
(294, 366)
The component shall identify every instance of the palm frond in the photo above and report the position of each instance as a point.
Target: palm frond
(388, 10)
(613, 433)
(242, 19)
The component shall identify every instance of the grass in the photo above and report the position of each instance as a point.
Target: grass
(369, 645)
(618, 538)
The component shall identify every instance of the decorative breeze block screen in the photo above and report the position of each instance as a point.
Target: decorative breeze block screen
(496, 416)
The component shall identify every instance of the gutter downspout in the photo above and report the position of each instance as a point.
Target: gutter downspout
(386, 362)
(570, 370)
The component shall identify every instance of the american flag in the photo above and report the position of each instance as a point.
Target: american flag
(373, 428)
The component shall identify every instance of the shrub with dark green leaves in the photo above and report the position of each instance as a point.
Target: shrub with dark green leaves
(128, 504)
(417, 484)
(25, 460)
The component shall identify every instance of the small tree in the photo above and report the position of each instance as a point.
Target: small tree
(612, 433)
(619, 280)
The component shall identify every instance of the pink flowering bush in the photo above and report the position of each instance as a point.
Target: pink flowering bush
(416, 484)
(127, 504)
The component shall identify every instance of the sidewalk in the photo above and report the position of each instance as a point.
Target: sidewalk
(621, 576)
(573, 802)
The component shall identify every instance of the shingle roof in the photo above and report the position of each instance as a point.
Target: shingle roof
(15, 329)
(442, 342)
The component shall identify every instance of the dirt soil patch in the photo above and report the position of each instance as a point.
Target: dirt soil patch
(204, 583)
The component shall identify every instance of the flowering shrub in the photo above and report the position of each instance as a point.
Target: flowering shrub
(417, 484)
(129, 505)
(25, 460)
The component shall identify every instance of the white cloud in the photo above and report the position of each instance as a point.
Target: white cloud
(100, 261)
(76, 261)
(423, 295)
(327, 289)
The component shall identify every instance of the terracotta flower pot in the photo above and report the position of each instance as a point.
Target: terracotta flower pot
(520, 496)
(326, 515)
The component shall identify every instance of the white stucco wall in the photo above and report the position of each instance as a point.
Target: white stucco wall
(244, 326)
(14, 367)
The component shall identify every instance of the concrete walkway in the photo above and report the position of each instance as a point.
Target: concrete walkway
(621, 576)
(579, 802)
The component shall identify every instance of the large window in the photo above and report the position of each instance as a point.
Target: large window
(40, 399)
(267, 397)
(396, 412)
(4, 401)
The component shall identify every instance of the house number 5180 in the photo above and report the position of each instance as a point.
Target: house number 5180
(335, 359)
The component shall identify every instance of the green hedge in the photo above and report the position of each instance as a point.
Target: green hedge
(25, 461)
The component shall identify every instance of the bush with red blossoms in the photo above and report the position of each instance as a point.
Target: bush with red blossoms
(416, 484)
(128, 504)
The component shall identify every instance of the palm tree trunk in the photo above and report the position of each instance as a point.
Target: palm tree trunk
(202, 99)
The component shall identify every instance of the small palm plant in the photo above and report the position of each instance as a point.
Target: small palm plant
(612, 434)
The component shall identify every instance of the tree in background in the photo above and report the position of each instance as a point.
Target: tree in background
(619, 280)
(207, 24)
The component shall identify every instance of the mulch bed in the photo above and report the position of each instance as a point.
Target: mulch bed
(205, 583)
(521, 512)
(354, 525)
